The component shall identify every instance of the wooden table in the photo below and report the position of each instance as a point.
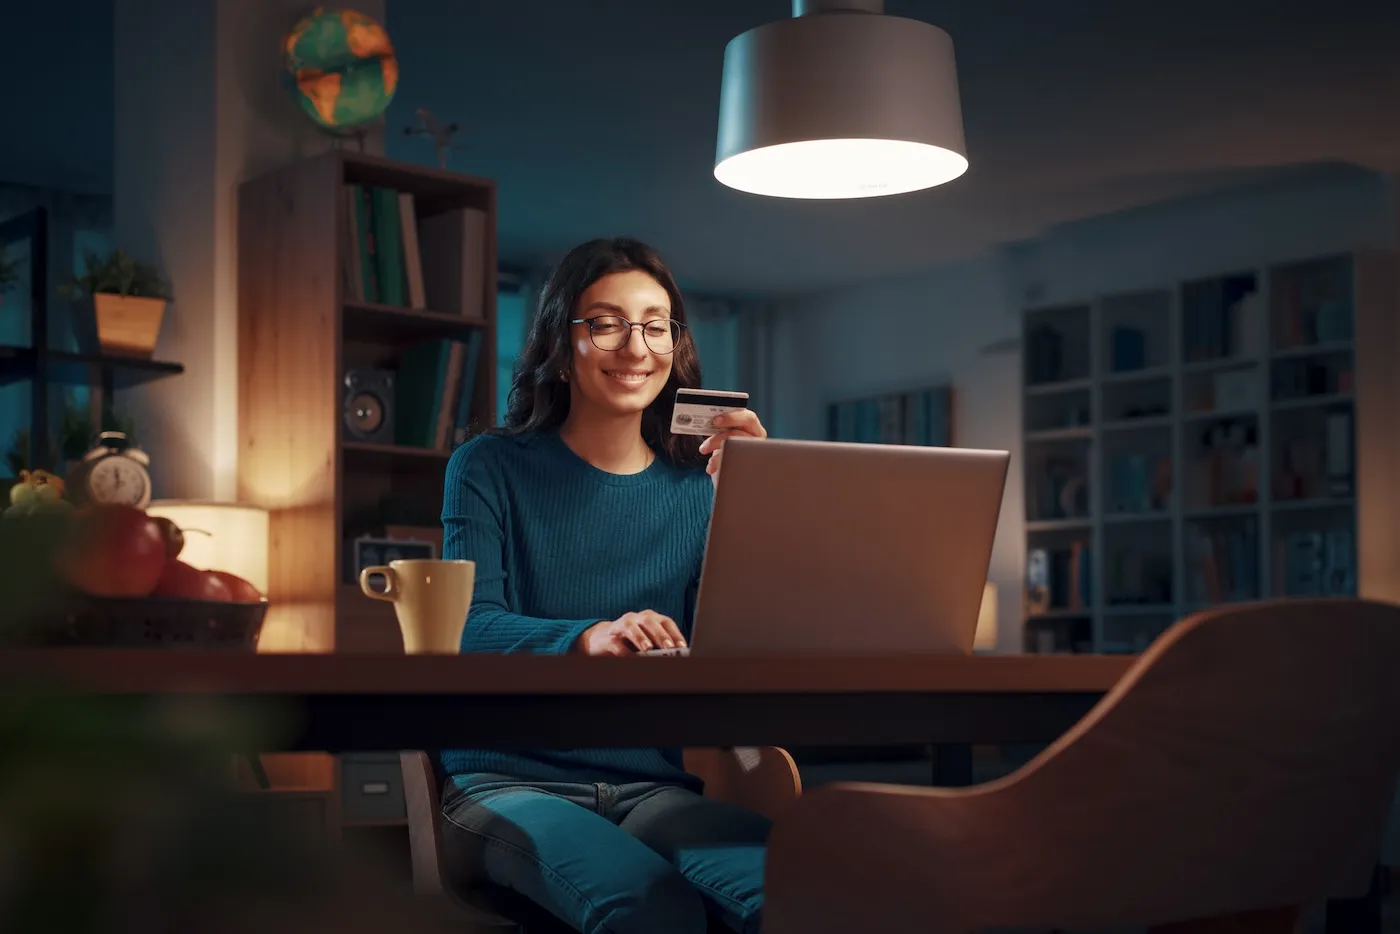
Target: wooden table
(362, 703)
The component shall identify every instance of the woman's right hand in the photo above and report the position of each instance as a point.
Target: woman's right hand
(631, 633)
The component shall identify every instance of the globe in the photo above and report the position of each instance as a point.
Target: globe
(342, 66)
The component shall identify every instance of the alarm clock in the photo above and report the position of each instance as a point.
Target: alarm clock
(115, 471)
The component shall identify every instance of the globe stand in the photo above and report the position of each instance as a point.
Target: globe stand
(351, 137)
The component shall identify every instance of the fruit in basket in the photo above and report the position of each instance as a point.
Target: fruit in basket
(113, 551)
(174, 537)
(180, 579)
(240, 590)
(37, 492)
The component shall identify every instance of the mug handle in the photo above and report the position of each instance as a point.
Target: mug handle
(391, 583)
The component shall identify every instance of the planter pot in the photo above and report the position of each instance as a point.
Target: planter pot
(127, 325)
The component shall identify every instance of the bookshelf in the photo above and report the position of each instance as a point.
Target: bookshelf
(1198, 444)
(352, 263)
(917, 416)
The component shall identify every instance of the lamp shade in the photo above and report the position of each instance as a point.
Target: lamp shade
(840, 101)
(236, 539)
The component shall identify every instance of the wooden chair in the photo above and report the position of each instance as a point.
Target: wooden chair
(1240, 771)
(764, 780)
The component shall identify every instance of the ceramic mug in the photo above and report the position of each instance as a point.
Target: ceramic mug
(431, 597)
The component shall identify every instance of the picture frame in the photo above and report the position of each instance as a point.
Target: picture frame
(369, 551)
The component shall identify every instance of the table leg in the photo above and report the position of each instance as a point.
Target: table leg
(1358, 915)
(259, 771)
(952, 764)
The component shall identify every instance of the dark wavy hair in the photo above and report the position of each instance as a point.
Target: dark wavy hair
(539, 397)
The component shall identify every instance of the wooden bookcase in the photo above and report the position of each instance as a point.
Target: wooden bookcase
(1209, 441)
(302, 325)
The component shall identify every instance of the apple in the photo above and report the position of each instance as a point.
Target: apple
(242, 591)
(113, 551)
(179, 579)
(174, 537)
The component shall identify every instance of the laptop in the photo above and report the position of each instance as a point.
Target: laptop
(835, 548)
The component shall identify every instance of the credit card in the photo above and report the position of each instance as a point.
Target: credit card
(696, 409)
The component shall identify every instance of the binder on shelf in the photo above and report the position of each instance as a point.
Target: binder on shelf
(453, 247)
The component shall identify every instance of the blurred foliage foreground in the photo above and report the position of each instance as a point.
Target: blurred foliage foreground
(120, 816)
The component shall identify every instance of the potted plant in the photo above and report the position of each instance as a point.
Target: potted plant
(129, 299)
(77, 433)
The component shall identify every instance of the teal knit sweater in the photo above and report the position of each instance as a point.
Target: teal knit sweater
(560, 545)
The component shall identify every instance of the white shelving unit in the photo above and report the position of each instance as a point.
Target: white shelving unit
(1196, 444)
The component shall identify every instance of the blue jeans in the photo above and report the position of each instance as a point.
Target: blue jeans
(640, 858)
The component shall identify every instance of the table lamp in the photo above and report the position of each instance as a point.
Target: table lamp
(986, 638)
(221, 536)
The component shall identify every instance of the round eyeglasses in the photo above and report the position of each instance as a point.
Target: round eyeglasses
(609, 332)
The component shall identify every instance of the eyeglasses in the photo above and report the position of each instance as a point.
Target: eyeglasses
(609, 332)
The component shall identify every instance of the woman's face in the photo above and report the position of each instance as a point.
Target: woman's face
(625, 380)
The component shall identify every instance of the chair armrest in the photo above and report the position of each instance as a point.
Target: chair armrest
(424, 835)
(863, 856)
(763, 779)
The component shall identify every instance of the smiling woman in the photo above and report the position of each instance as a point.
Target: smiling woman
(596, 288)
(586, 519)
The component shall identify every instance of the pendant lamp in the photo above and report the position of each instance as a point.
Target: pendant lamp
(840, 101)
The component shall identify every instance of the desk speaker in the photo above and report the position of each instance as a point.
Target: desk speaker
(369, 405)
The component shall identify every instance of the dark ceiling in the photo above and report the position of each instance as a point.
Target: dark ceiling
(598, 117)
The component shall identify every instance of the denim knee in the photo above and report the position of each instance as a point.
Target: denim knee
(662, 904)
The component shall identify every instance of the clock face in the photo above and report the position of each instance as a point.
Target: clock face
(118, 479)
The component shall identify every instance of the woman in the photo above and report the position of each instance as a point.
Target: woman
(587, 520)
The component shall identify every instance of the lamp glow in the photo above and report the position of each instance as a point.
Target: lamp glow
(840, 168)
(237, 539)
(986, 637)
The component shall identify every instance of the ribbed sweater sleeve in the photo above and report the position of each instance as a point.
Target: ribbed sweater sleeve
(473, 518)
(560, 545)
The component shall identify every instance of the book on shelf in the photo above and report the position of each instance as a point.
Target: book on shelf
(1308, 316)
(1137, 576)
(1059, 578)
(1139, 483)
(1316, 563)
(391, 256)
(1318, 466)
(1061, 488)
(922, 417)
(1044, 355)
(1225, 468)
(435, 392)
(1223, 563)
(1128, 349)
(1223, 320)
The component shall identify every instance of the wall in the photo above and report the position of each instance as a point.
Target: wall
(939, 326)
(196, 122)
(59, 127)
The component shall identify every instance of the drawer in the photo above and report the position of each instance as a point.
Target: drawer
(305, 814)
(371, 788)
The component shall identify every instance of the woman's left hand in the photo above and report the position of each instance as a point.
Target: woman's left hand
(742, 422)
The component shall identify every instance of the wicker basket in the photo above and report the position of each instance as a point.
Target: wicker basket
(152, 623)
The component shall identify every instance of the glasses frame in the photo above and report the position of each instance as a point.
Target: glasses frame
(684, 329)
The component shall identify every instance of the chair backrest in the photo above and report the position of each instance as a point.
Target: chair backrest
(763, 779)
(1247, 761)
